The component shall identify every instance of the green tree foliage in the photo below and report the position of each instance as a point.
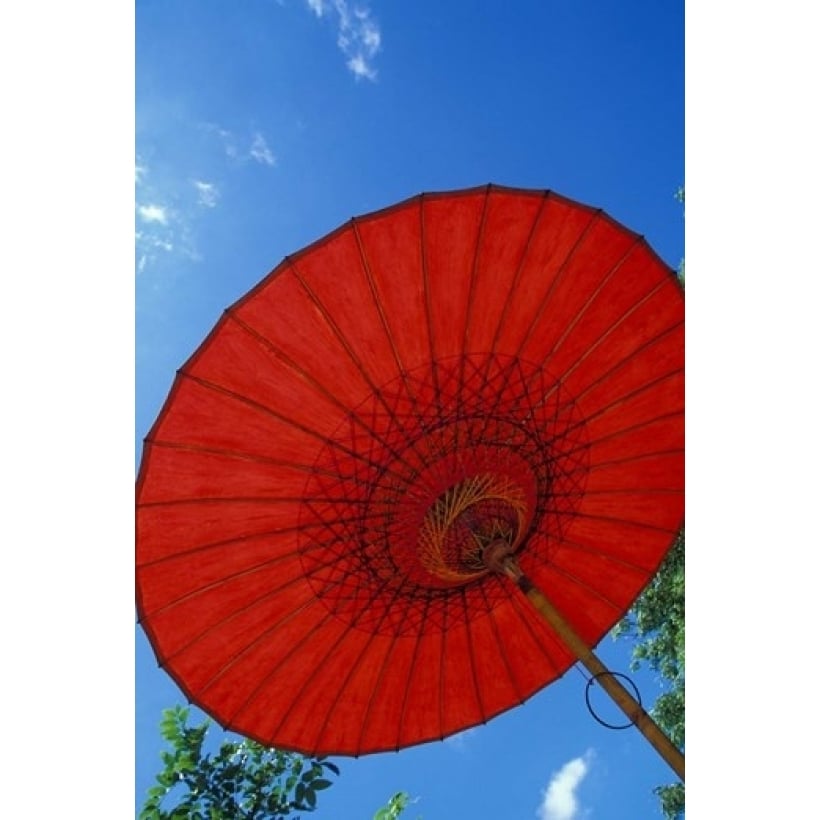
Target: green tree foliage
(394, 808)
(657, 623)
(241, 781)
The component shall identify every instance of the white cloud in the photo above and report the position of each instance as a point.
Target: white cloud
(560, 801)
(358, 37)
(153, 213)
(207, 193)
(172, 199)
(360, 67)
(260, 151)
(227, 138)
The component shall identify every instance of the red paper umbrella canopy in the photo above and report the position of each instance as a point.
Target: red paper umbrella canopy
(315, 494)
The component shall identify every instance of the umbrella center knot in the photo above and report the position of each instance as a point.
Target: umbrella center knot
(464, 519)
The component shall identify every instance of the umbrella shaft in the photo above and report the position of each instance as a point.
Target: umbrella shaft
(628, 705)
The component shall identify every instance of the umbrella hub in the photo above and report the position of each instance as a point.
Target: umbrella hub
(464, 520)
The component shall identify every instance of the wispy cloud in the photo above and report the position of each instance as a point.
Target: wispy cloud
(207, 193)
(242, 148)
(226, 137)
(260, 151)
(560, 801)
(165, 229)
(176, 191)
(358, 35)
(153, 213)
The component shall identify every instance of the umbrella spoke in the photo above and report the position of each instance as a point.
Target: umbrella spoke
(296, 425)
(509, 299)
(536, 319)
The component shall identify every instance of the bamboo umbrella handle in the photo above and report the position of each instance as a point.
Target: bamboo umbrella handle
(497, 556)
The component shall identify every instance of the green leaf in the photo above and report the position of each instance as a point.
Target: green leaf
(657, 623)
(320, 784)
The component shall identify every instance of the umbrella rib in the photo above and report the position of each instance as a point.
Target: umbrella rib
(342, 340)
(238, 539)
(648, 343)
(393, 346)
(559, 274)
(590, 550)
(236, 454)
(442, 667)
(600, 340)
(295, 581)
(607, 408)
(215, 627)
(353, 667)
(601, 411)
(626, 491)
(471, 655)
(616, 520)
(584, 469)
(263, 636)
(191, 593)
(584, 585)
(208, 385)
(465, 340)
(428, 307)
(305, 685)
(255, 692)
(374, 292)
(502, 647)
(591, 298)
(675, 451)
(320, 388)
(524, 616)
(534, 322)
(622, 432)
(376, 686)
(660, 285)
(514, 284)
(409, 675)
(236, 499)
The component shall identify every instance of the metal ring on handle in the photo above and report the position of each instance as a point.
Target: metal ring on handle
(592, 711)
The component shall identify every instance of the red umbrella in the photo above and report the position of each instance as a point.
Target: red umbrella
(461, 389)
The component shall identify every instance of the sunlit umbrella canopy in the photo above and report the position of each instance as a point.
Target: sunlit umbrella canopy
(319, 495)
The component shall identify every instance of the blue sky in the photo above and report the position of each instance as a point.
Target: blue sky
(263, 125)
